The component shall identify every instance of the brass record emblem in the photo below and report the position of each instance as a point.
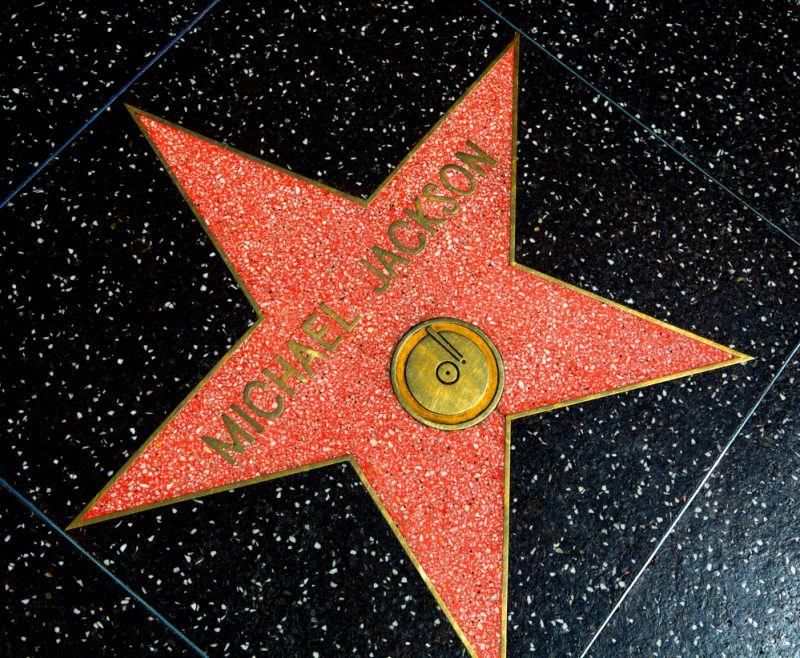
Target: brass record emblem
(447, 373)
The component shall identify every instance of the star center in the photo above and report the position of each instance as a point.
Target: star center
(447, 373)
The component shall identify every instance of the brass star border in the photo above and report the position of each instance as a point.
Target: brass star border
(737, 357)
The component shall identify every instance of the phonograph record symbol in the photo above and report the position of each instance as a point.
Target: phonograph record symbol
(397, 334)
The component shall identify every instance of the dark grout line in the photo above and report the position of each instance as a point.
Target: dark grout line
(640, 123)
(691, 498)
(105, 106)
(100, 566)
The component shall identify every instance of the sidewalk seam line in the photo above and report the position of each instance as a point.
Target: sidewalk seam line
(691, 498)
(641, 124)
(108, 103)
(33, 508)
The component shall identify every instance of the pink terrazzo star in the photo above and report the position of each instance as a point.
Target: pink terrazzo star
(296, 247)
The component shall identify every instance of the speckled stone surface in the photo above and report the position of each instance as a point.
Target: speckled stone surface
(57, 603)
(115, 305)
(64, 61)
(721, 85)
(616, 213)
(288, 567)
(726, 583)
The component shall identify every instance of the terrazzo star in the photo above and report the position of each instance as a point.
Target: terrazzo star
(425, 377)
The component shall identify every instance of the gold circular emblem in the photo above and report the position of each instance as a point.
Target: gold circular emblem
(447, 373)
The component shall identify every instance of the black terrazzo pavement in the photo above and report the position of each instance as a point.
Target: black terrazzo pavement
(726, 584)
(63, 61)
(57, 603)
(115, 305)
(288, 567)
(720, 83)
